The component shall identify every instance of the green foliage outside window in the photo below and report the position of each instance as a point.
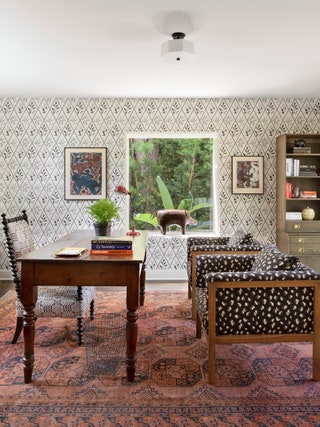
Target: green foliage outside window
(171, 173)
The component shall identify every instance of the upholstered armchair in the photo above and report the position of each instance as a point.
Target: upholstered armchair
(240, 242)
(267, 297)
(53, 301)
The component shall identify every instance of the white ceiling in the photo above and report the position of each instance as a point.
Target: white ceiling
(111, 48)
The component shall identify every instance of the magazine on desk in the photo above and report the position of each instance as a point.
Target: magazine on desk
(69, 252)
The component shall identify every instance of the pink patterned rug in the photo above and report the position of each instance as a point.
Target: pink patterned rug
(259, 385)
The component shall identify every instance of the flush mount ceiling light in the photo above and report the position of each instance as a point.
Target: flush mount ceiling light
(178, 50)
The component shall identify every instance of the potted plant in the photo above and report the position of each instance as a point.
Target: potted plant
(103, 211)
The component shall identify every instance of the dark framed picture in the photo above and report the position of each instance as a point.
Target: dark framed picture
(85, 173)
(247, 175)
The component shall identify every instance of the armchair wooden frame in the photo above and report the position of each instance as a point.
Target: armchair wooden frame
(214, 339)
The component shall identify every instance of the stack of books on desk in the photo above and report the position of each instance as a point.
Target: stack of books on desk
(111, 245)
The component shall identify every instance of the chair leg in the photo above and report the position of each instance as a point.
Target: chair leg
(79, 330)
(198, 326)
(18, 330)
(92, 310)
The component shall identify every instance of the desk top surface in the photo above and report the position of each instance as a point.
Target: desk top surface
(82, 238)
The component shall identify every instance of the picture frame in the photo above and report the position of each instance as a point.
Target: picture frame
(85, 173)
(247, 174)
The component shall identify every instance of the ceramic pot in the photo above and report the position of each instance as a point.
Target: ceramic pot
(102, 229)
(308, 213)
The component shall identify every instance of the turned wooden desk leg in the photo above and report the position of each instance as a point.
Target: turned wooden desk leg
(133, 297)
(28, 337)
(132, 334)
(28, 299)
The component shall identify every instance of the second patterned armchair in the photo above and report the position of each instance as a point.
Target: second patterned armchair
(240, 242)
(267, 297)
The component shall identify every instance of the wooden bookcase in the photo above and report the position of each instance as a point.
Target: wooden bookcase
(296, 236)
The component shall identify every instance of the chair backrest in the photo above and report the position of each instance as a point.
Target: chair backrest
(19, 242)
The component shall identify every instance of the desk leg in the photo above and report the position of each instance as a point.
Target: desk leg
(132, 334)
(28, 299)
(133, 286)
(143, 281)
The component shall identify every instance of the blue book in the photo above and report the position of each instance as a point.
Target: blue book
(111, 246)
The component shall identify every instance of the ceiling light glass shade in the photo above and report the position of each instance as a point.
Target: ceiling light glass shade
(177, 50)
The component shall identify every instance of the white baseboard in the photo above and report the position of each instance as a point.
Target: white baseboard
(5, 275)
(168, 275)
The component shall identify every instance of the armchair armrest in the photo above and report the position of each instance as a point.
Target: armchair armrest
(254, 247)
(252, 276)
(204, 241)
(209, 240)
(207, 243)
(216, 264)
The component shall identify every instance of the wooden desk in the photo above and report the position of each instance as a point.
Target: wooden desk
(42, 267)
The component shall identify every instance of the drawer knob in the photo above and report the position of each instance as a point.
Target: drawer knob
(296, 226)
(300, 240)
(300, 249)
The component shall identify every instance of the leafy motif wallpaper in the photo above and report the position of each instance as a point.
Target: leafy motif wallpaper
(34, 133)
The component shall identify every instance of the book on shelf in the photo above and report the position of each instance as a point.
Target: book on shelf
(308, 170)
(308, 173)
(293, 216)
(289, 190)
(308, 194)
(292, 167)
(111, 252)
(301, 150)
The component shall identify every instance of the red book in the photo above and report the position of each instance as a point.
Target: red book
(111, 252)
(288, 190)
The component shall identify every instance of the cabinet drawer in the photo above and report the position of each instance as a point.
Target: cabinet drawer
(304, 244)
(303, 226)
(304, 239)
(305, 249)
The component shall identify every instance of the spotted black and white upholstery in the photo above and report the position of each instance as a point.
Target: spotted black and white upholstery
(254, 298)
(53, 301)
(239, 242)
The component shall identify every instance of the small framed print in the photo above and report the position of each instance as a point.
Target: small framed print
(85, 173)
(247, 175)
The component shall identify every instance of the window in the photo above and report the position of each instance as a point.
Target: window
(173, 172)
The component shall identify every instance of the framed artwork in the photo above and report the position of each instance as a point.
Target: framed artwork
(247, 175)
(85, 173)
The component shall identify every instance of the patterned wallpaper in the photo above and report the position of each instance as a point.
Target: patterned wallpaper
(34, 132)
